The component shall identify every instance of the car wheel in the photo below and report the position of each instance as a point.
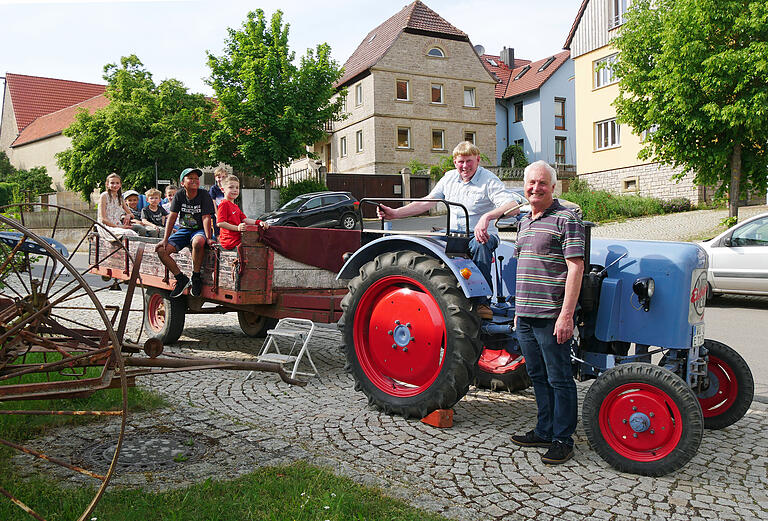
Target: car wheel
(348, 221)
(290, 223)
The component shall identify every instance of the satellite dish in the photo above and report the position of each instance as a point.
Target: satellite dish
(479, 49)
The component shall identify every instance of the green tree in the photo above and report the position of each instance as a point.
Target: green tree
(35, 180)
(693, 77)
(269, 109)
(144, 125)
(516, 153)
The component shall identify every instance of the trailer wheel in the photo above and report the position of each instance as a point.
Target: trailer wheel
(164, 316)
(643, 419)
(410, 340)
(255, 325)
(728, 389)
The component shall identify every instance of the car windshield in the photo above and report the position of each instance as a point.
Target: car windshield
(293, 204)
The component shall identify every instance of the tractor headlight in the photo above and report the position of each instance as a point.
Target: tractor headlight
(644, 288)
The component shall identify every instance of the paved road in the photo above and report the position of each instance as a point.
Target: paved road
(468, 472)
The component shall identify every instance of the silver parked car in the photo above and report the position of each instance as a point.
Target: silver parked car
(738, 259)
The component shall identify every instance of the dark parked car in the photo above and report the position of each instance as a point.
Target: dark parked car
(510, 223)
(317, 210)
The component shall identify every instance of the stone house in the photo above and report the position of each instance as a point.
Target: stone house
(534, 106)
(416, 87)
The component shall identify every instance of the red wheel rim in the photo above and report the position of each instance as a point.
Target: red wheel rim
(722, 391)
(156, 308)
(399, 334)
(646, 405)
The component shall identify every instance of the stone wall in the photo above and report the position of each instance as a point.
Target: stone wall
(650, 180)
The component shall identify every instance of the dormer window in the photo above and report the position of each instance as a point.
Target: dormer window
(436, 52)
(492, 62)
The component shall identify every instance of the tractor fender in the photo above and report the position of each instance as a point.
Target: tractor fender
(474, 286)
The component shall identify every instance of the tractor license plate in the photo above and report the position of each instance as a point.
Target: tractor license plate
(698, 334)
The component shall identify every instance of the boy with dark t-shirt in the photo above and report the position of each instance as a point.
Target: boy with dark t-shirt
(193, 208)
(230, 217)
(153, 215)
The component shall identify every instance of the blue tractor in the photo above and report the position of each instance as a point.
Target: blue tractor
(413, 345)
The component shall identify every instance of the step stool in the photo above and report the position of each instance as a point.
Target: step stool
(297, 330)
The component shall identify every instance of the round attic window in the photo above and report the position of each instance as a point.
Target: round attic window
(436, 52)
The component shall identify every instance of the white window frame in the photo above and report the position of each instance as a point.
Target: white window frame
(474, 136)
(603, 73)
(407, 90)
(358, 94)
(442, 94)
(563, 140)
(408, 138)
(343, 104)
(473, 97)
(442, 138)
(618, 8)
(343, 146)
(359, 141)
(440, 53)
(607, 134)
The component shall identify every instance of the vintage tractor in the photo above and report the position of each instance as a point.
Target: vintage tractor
(413, 345)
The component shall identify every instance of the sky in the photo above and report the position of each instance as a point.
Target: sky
(74, 39)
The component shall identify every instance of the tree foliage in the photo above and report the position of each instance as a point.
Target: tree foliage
(144, 123)
(35, 180)
(693, 74)
(269, 109)
(515, 152)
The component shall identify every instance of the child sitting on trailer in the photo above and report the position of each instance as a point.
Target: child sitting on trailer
(230, 218)
(113, 212)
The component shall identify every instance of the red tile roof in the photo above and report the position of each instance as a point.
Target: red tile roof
(414, 17)
(54, 123)
(531, 80)
(501, 71)
(33, 96)
(575, 25)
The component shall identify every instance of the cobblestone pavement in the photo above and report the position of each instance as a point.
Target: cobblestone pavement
(468, 472)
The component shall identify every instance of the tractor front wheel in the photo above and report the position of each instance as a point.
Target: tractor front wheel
(643, 419)
(409, 337)
(728, 389)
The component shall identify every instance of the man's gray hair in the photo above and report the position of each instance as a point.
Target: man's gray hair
(543, 165)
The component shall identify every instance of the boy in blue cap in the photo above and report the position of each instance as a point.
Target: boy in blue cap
(193, 208)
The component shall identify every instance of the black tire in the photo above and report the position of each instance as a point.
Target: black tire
(255, 325)
(512, 381)
(729, 388)
(668, 419)
(163, 316)
(290, 223)
(348, 221)
(418, 289)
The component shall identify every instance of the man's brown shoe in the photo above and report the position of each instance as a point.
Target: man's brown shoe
(484, 312)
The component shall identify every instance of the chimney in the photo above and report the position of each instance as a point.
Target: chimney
(507, 55)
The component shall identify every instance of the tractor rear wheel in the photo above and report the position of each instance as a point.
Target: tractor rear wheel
(410, 339)
(729, 387)
(643, 419)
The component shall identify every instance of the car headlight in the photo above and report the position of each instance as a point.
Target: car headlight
(272, 221)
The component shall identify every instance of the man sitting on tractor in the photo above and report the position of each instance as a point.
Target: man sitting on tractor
(486, 199)
(550, 264)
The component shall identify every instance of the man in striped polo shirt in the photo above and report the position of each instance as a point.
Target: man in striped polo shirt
(550, 264)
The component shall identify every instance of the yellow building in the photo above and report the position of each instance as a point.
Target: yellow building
(606, 151)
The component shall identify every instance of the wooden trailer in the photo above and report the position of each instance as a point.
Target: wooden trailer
(255, 281)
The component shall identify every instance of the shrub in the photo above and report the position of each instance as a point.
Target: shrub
(6, 193)
(417, 166)
(295, 189)
(601, 206)
(516, 152)
(678, 204)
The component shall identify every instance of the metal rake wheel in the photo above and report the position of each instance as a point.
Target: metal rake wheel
(59, 347)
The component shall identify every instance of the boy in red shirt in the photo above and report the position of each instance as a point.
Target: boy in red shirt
(230, 218)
